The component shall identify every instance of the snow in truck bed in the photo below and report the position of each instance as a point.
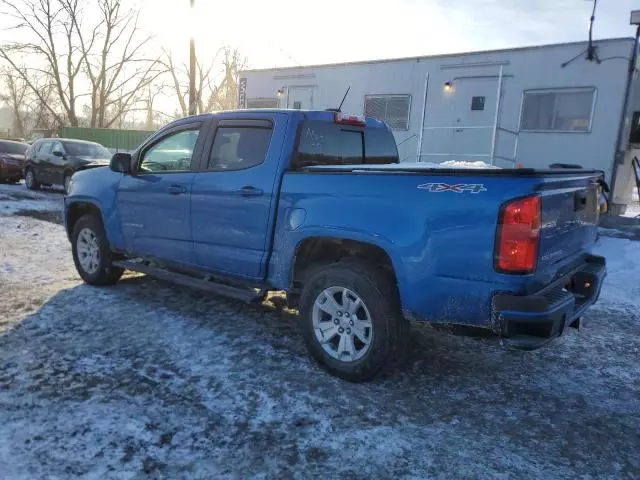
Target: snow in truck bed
(408, 166)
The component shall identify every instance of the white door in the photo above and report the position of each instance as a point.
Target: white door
(300, 98)
(472, 117)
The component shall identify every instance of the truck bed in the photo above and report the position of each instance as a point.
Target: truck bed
(440, 226)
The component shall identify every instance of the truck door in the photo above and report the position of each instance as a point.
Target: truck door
(300, 98)
(154, 203)
(235, 192)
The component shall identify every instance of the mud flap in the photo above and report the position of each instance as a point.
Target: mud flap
(578, 324)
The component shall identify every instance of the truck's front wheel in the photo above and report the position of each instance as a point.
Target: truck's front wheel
(351, 320)
(91, 252)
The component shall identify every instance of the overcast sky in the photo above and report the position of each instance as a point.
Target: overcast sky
(299, 32)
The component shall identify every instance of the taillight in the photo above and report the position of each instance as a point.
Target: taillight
(518, 236)
(349, 119)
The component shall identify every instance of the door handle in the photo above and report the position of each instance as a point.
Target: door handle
(249, 191)
(177, 190)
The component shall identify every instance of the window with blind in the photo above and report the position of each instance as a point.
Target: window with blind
(567, 110)
(391, 109)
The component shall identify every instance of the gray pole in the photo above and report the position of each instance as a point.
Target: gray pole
(424, 108)
(192, 71)
(496, 118)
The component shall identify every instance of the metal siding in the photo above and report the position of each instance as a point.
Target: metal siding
(524, 69)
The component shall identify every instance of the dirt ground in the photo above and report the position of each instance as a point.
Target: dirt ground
(150, 380)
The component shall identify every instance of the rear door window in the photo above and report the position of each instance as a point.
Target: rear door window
(239, 147)
(324, 143)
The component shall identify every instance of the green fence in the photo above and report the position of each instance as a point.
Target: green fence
(116, 140)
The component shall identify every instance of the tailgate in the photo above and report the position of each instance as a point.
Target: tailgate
(570, 213)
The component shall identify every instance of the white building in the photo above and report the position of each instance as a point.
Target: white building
(530, 106)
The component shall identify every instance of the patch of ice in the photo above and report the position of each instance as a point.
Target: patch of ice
(10, 207)
(623, 265)
(95, 365)
(614, 232)
(14, 198)
(23, 239)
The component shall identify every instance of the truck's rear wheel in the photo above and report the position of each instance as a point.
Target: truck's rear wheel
(92, 254)
(351, 320)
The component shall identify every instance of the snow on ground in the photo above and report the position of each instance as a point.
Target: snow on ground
(149, 380)
(16, 197)
(622, 286)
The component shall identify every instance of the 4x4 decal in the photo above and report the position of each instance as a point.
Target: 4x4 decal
(459, 188)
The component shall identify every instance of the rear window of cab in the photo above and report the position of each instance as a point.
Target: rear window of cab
(325, 143)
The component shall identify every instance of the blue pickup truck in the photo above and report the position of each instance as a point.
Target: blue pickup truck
(315, 203)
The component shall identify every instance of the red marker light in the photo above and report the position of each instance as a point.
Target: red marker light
(345, 119)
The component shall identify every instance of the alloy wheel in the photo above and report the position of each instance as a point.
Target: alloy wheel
(342, 324)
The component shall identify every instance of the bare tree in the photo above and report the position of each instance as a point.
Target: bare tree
(70, 46)
(16, 91)
(216, 81)
(29, 111)
(152, 116)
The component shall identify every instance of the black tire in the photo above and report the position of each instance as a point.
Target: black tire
(106, 273)
(379, 293)
(30, 179)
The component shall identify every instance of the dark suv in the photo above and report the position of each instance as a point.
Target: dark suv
(11, 160)
(52, 161)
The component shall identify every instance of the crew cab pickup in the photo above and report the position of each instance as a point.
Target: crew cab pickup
(315, 204)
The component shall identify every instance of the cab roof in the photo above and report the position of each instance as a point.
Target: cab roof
(315, 115)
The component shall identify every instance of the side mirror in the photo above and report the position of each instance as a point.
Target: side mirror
(57, 153)
(121, 162)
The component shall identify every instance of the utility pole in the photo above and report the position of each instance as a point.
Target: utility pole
(192, 67)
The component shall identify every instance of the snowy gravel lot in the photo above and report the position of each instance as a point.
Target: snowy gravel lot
(150, 380)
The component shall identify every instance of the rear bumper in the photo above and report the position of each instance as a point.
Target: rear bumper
(528, 322)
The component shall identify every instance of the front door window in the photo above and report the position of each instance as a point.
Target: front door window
(171, 154)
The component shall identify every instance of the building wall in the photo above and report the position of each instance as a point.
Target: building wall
(474, 74)
(624, 183)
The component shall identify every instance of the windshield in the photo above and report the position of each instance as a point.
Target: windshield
(13, 148)
(91, 150)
